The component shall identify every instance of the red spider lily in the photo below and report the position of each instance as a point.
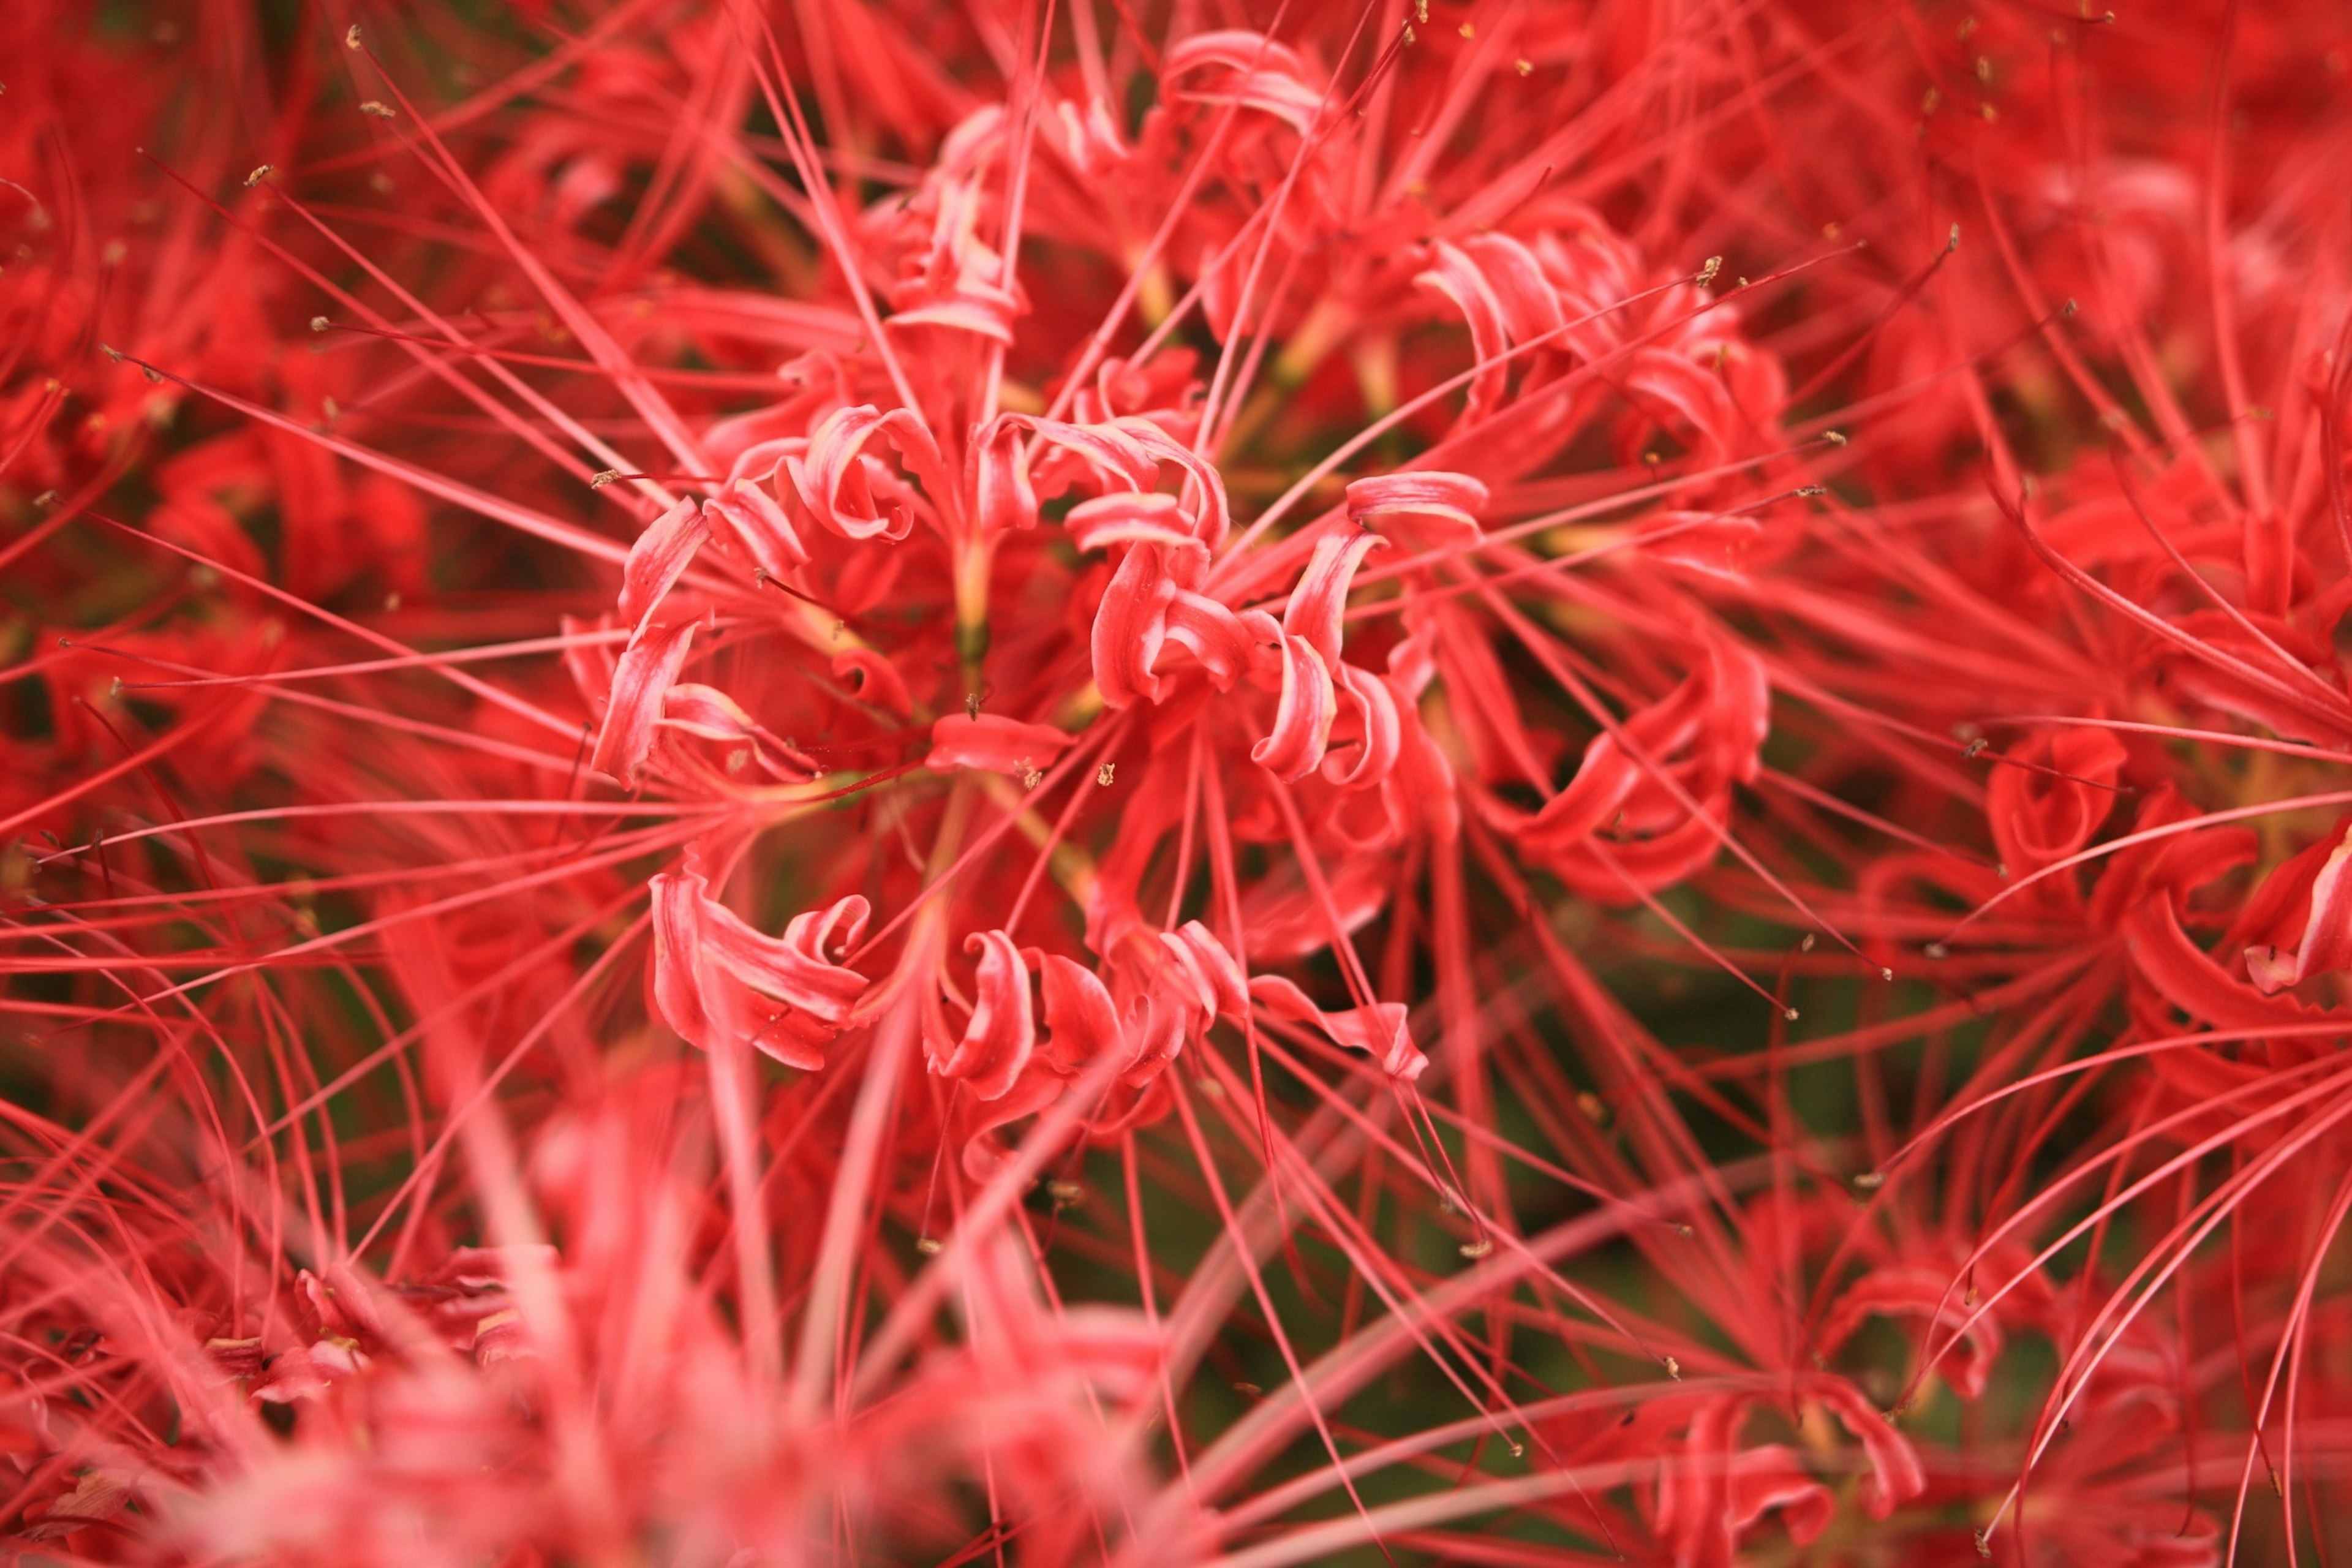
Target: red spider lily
(1057, 783)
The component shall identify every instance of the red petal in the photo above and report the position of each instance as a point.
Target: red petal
(1081, 1022)
(1514, 279)
(641, 681)
(757, 528)
(996, 744)
(1129, 628)
(1367, 721)
(997, 471)
(1003, 1032)
(877, 680)
(678, 955)
(832, 483)
(1711, 544)
(709, 964)
(1319, 602)
(1127, 518)
(1434, 509)
(2037, 818)
(2186, 977)
(656, 561)
(1223, 643)
(1685, 399)
(1896, 1475)
(1302, 720)
(1216, 977)
(1768, 1477)
(1249, 68)
(1378, 1030)
(2326, 944)
(1457, 277)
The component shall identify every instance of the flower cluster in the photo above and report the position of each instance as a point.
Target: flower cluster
(1469, 782)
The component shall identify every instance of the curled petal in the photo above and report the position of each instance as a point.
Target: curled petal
(2178, 863)
(2326, 943)
(706, 711)
(996, 744)
(794, 968)
(840, 924)
(1129, 627)
(986, 315)
(1922, 1293)
(300, 1371)
(973, 1119)
(1215, 978)
(1436, 508)
(710, 714)
(1090, 137)
(1588, 261)
(1223, 643)
(1367, 723)
(1081, 1021)
(1203, 492)
(679, 975)
(762, 462)
(1104, 455)
(1247, 68)
(1768, 1478)
(1127, 517)
(1686, 398)
(949, 278)
(973, 142)
(656, 561)
(713, 973)
(997, 1042)
(756, 528)
(833, 482)
(815, 382)
(1302, 720)
(1693, 1484)
(1378, 1030)
(1159, 1014)
(1203, 496)
(998, 473)
(1321, 598)
(1742, 711)
(1659, 860)
(876, 679)
(1514, 279)
(1122, 458)
(1162, 388)
(2187, 976)
(1896, 1476)
(641, 682)
(1709, 545)
(1603, 780)
(1638, 783)
(1458, 278)
(2049, 808)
